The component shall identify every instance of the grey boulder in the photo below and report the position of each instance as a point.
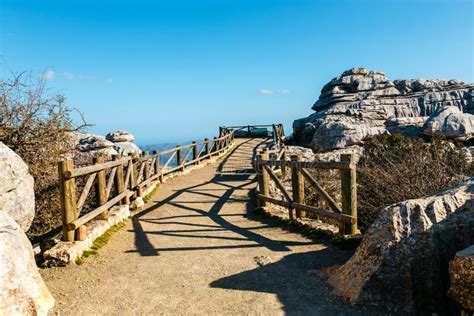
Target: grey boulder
(451, 122)
(402, 261)
(93, 142)
(17, 197)
(120, 136)
(22, 290)
(126, 148)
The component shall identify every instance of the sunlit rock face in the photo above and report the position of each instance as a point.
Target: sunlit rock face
(360, 103)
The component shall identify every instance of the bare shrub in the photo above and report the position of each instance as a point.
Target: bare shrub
(395, 168)
(35, 125)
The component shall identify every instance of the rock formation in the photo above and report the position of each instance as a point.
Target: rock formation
(17, 197)
(22, 290)
(360, 103)
(402, 261)
(451, 122)
(123, 142)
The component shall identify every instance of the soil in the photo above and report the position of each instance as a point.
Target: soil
(199, 248)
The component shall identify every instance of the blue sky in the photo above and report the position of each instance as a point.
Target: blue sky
(176, 70)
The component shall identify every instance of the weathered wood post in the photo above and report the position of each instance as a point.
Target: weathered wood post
(214, 147)
(81, 233)
(179, 157)
(195, 152)
(146, 167)
(349, 193)
(100, 186)
(284, 157)
(157, 165)
(263, 178)
(133, 174)
(67, 189)
(248, 130)
(119, 181)
(297, 183)
(206, 144)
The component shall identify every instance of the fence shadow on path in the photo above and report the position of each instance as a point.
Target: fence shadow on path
(228, 184)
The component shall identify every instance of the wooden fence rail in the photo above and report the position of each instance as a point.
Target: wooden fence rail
(345, 215)
(124, 178)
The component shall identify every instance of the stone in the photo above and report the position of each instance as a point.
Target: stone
(120, 137)
(451, 122)
(461, 273)
(137, 204)
(402, 261)
(22, 290)
(17, 197)
(93, 142)
(360, 103)
(126, 148)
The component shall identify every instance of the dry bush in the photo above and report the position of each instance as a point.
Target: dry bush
(35, 125)
(396, 168)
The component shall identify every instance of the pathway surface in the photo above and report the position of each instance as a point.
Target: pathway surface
(198, 248)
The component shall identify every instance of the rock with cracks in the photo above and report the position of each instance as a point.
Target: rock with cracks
(17, 197)
(403, 259)
(22, 290)
(461, 276)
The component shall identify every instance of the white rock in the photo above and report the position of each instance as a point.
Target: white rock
(126, 148)
(22, 290)
(93, 142)
(450, 121)
(120, 136)
(17, 197)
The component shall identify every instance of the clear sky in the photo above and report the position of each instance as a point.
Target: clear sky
(176, 70)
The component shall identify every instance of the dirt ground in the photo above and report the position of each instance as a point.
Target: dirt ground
(198, 248)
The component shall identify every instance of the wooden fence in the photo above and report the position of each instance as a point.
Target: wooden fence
(345, 215)
(118, 181)
(248, 131)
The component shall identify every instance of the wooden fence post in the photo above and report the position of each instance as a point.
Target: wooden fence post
(100, 186)
(146, 168)
(349, 194)
(263, 179)
(133, 174)
(119, 182)
(297, 183)
(195, 152)
(157, 165)
(284, 167)
(214, 147)
(206, 144)
(67, 188)
(179, 157)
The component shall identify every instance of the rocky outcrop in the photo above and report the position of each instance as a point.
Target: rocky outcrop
(22, 290)
(461, 275)
(126, 148)
(450, 121)
(120, 137)
(17, 198)
(402, 261)
(360, 103)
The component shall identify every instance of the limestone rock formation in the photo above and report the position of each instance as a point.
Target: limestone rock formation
(93, 142)
(461, 273)
(450, 121)
(126, 148)
(22, 290)
(403, 258)
(17, 197)
(360, 103)
(120, 137)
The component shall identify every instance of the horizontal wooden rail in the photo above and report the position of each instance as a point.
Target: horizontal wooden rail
(341, 165)
(94, 168)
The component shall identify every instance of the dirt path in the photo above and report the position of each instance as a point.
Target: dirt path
(197, 249)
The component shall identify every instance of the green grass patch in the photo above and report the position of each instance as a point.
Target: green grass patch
(148, 197)
(99, 242)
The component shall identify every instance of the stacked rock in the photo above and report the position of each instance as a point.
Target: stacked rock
(122, 141)
(360, 103)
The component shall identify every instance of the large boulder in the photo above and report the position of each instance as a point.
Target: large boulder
(126, 148)
(402, 261)
(120, 137)
(93, 142)
(451, 122)
(17, 197)
(360, 103)
(22, 290)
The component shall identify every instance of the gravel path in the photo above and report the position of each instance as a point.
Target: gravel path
(198, 249)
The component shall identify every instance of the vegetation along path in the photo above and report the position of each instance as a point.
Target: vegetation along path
(198, 248)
